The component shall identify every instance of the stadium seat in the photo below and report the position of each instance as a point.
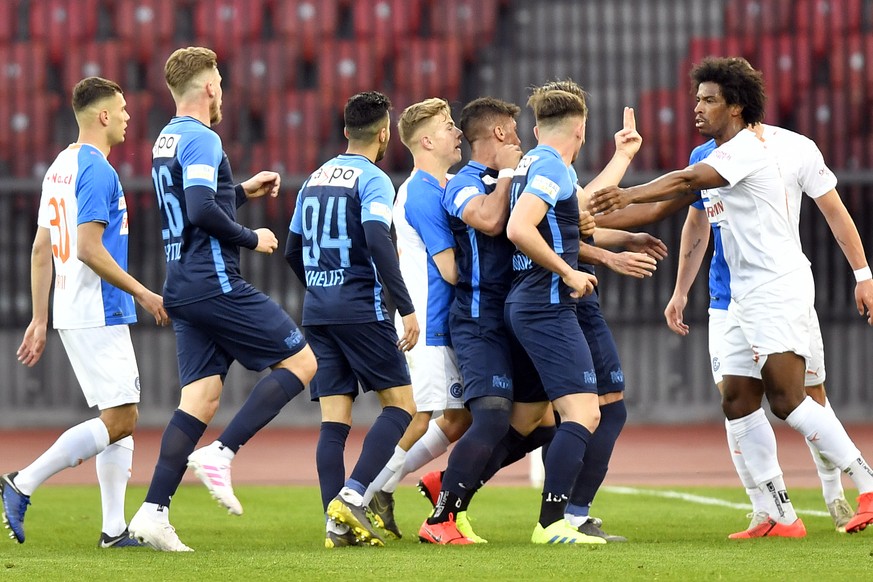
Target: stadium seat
(824, 21)
(473, 22)
(823, 116)
(665, 117)
(345, 68)
(226, 26)
(787, 67)
(139, 107)
(429, 68)
(860, 153)
(144, 25)
(62, 24)
(757, 18)
(700, 47)
(851, 66)
(387, 23)
(307, 22)
(132, 159)
(8, 11)
(25, 129)
(295, 117)
(94, 59)
(23, 66)
(261, 68)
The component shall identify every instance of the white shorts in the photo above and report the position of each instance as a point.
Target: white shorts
(436, 378)
(776, 317)
(104, 363)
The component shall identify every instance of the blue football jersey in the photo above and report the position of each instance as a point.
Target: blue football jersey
(341, 281)
(719, 275)
(544, 174)
(422, 228)
(188, 153)
(484, 262)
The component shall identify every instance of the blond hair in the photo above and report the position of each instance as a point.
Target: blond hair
(185, 64)
(417, 115)
(552, 106)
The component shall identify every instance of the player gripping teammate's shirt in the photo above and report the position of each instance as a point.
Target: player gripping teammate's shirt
(422, 232)
(484, 262)
(554, 184)
(332, 206)
(79, 187)
(198, 199)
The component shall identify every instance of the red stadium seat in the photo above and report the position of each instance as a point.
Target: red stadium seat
(823, 116)
(345, 68)
(23, 66)
(824, 21)
(62, 24)
(307, 22)
(226, 26)
(473, 22)
(25, 130)
(132, 159)
(8, 11)
(286, 157)
(701, 47)
(295, 116)
(145, 25)
(387, 22)
(851, 66)
(96, 59)
(429, 68)
(787, 67)
(261, 68)
(665, 118)
(756, 18)
(139, 107)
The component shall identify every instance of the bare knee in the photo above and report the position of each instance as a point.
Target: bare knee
(201, 398)
(120, 421)
(399, 397)
(302, 364)
(454, 423)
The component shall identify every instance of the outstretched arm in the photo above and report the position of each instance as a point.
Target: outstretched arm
(700, 176)
(846, 234)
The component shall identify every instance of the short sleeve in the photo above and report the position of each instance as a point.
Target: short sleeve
(96, 184)
(815, 178)
(200, 157)
(296, 225)
(377, 198)
(425, 213)
(458, 193)
(544, 180)
(737, 158)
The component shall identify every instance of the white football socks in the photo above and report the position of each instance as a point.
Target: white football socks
(757, 442)
(113, 472)
(825, 432)
(75, 445)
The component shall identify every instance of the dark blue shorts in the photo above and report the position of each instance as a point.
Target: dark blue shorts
(243, 325)
(364, 353)
(482, 348)
(607, 365)
(552, 338)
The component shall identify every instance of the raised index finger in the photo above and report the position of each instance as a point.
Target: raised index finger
(630, 121)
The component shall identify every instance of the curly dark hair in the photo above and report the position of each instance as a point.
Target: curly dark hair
(740, 83)
(364, 114)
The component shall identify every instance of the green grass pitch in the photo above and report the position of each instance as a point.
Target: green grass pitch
(280, 537)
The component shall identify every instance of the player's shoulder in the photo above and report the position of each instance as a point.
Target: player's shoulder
(701, 151)
(89, 156)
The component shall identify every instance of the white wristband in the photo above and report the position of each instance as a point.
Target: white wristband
(863, 274)
(506, 173)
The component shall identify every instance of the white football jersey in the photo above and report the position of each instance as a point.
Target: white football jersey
(802, 165)
(81, 186)
(754, 213)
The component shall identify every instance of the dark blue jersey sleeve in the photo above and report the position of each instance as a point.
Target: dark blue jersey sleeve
(385, 258)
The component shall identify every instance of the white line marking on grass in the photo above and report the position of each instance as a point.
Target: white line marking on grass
(700, 499)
